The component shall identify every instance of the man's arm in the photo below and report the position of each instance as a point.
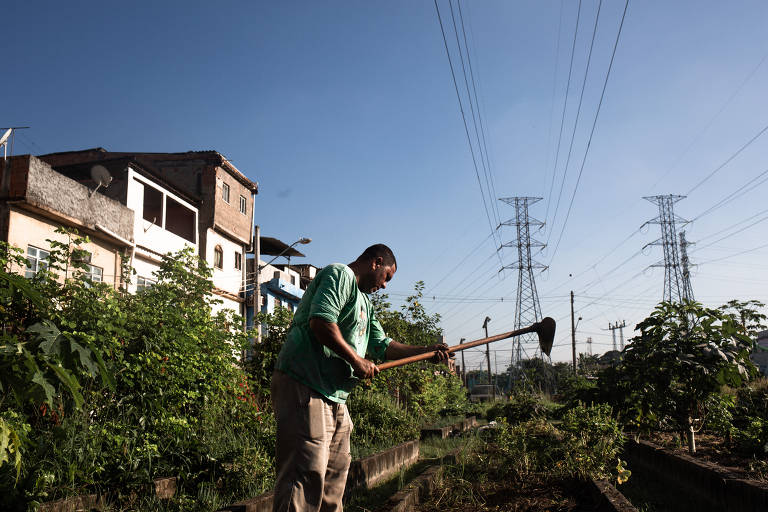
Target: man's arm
(329, 335)
(397, 350)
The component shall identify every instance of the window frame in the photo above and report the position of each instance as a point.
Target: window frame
(225, 192)
(29, 273)
(145, 285)
(238, 260)
(243, 205)
(218, 257)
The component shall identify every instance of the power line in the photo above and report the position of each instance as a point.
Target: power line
(578, 113)
(490, 185)
(562, 118)
(711, 121)
(728, 160)
(464, 119)
(592, 131)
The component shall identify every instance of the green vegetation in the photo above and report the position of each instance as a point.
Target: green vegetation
(102, 391)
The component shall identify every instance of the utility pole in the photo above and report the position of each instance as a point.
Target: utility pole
(463, 367)
(674, 287)
(527, 307)
(621, 332)
(257, 289)
(573, 335)
(488, 355)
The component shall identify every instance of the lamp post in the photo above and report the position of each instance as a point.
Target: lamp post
(259, 268)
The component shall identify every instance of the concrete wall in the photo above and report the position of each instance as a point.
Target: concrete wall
(153, 235)
(692, 484)
(227, 216)
(35, 182)
(228, 278)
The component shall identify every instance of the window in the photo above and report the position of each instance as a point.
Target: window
(218, 257)
(179, 220)
(94, 273)
(238, 261)
(225, 192)
(243, 205)
(293, 279)
(153, 205)
(37, 259)
(142, 283)
(278, 303)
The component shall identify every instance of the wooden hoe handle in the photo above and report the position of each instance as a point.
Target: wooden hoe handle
(456, 348)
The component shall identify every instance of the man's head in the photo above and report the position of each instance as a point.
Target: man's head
(376, 266)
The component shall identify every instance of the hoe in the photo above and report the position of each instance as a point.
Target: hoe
(545, 329)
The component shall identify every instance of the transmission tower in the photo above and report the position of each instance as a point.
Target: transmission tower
(527, 308)
(687, 288)
(674, 286)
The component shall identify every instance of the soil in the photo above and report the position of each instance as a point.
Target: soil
(713, 449)
(497, 495)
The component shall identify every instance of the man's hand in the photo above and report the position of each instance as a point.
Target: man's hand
(441, 352)
(364, 369)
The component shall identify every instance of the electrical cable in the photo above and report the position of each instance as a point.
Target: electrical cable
(728, 160)
(562, 119)
(490, 184)
(576, 120)
(592, 131)
(464, 119)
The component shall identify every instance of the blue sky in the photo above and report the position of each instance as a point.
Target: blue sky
(346, 115)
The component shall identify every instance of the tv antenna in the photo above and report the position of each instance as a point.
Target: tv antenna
(4, 139)
(101, 176)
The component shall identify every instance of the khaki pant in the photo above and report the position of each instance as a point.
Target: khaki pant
(312, 448)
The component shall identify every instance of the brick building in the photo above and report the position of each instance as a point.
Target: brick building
(221, 195)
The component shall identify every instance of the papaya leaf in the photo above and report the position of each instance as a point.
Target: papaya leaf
(48, 333)
(66, 378)
(39, 379)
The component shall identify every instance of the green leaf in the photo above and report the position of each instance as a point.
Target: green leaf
(48, 333)
(84, 354)
(66, 378)
(39, 379)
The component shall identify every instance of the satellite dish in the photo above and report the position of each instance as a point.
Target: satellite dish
(101, 176)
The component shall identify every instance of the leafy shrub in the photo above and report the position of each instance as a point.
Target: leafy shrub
(594, 441)
(585, 446)
(753, 438)
(125, 388)
(530, 447)
(521, 407)
(378, 421)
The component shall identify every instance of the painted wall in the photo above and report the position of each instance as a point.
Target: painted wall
(27, 228)
(153, 235)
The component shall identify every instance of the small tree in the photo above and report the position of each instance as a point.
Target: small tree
(684, 354)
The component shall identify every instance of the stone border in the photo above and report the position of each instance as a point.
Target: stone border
(609, 499)
(705, 486)
(419, 489)
(365, 472)
(444, 432)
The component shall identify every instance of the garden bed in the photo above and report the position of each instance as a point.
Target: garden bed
(665, 480)
(712, 448)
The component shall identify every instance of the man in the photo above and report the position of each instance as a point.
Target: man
(323, 357)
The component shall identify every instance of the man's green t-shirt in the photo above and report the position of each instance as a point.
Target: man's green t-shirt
(333, 296)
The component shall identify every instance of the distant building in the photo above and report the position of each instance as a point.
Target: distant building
(205, 182)
(36, 200)
(760, 354)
